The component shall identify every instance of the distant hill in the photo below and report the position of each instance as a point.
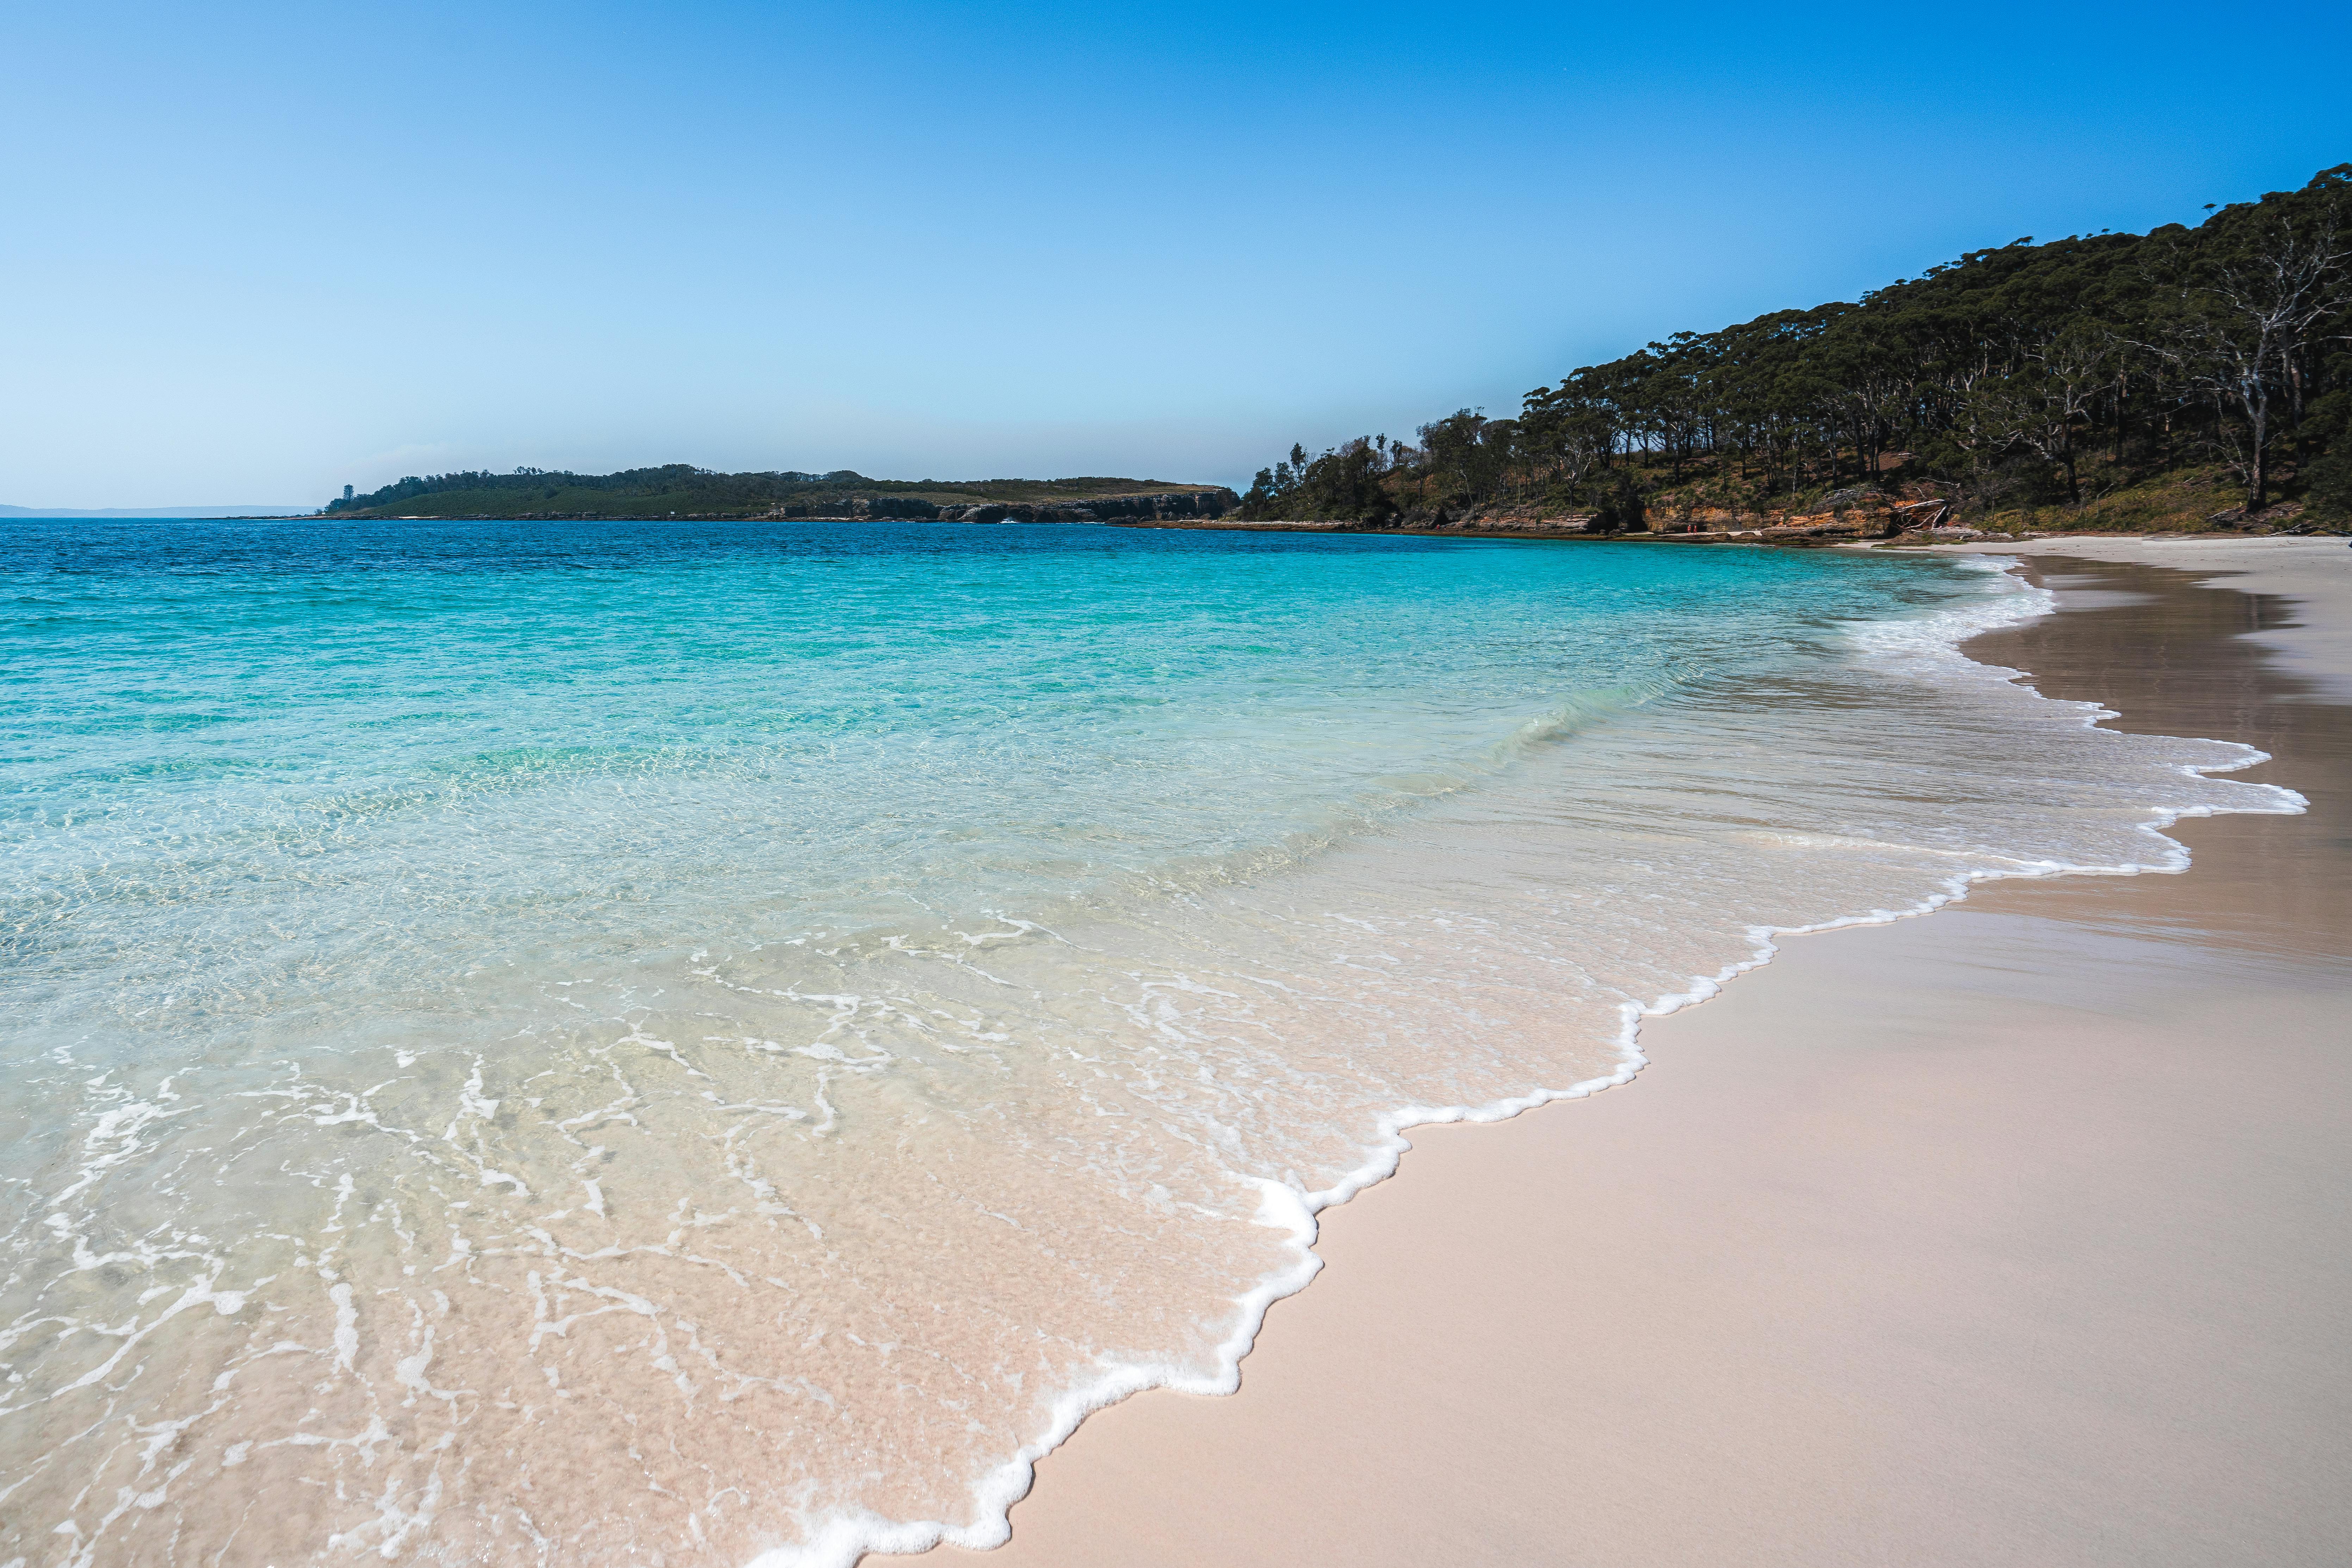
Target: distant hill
(2180, 380)
(679, 489)
(252, 510)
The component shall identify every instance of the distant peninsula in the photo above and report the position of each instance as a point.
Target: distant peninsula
(682, 490)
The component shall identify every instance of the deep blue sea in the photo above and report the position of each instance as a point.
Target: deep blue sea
(683, 1040)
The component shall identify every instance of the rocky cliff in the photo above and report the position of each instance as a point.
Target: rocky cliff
(1164, 506)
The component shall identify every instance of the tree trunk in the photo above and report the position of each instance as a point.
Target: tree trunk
(2258, 416)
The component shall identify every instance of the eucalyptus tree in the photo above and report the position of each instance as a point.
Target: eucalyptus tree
(2010, 366)
(2244, 308)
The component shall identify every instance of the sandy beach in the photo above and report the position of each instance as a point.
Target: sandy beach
(2020, 1233)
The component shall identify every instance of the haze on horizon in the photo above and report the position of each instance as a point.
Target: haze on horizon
(263, 251)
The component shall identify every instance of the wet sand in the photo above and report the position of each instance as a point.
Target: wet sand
(2016, 1234)
(2304, 586)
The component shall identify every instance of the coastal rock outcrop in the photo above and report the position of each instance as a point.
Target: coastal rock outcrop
(1857, 513)
(1499, 518)
(1168, 506)
(1162, 506)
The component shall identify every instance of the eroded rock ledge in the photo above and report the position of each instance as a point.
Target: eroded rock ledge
(1165, 506)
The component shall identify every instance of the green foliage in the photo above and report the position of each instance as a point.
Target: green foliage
(1346, 482)
(2042, 375)
(681, 489)
(1613, 500)
(2331, 486)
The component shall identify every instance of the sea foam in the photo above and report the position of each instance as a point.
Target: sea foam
(1922, 647)
(737, 1052)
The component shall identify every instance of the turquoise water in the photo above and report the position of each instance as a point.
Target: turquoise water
(824, 725)
(688, 1039)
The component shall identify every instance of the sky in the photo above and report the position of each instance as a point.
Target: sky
(252, 253)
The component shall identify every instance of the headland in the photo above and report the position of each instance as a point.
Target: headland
(683, 491)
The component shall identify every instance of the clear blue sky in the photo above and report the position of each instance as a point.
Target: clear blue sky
(249, 253)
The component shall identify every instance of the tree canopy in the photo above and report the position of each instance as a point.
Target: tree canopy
(2025, 373)
(685, 490)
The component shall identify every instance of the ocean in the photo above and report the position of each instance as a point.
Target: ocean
(706, 1042)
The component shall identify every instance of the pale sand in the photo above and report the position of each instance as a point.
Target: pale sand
(2017, 1234)
(2304, 571)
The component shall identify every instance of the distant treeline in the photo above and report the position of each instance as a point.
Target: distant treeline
(531, 486)
(683, 491)
(2026, 375)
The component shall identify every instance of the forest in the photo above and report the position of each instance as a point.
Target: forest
(2184, 378)
(681, 489)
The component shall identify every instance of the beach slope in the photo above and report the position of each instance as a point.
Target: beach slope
(2020, 1233)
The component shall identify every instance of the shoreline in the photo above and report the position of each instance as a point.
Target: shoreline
(1283, 1206)
(1779, 535)
(1120, 1493)
(2287, 584)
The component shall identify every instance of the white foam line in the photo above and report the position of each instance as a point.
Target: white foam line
(838, 1539)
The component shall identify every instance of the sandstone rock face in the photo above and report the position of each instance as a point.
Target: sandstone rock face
(1499, 518)
(1172, 505)
(891, 507)
(1858, 512)
(1168, 505)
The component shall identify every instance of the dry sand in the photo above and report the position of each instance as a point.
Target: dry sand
(2016, 1234)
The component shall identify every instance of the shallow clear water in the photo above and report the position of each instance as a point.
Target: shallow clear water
(655, 1042)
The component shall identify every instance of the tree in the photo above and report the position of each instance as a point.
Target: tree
(2045, 405)
(2069, 366)
(2331, 487)
(2243, 314)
